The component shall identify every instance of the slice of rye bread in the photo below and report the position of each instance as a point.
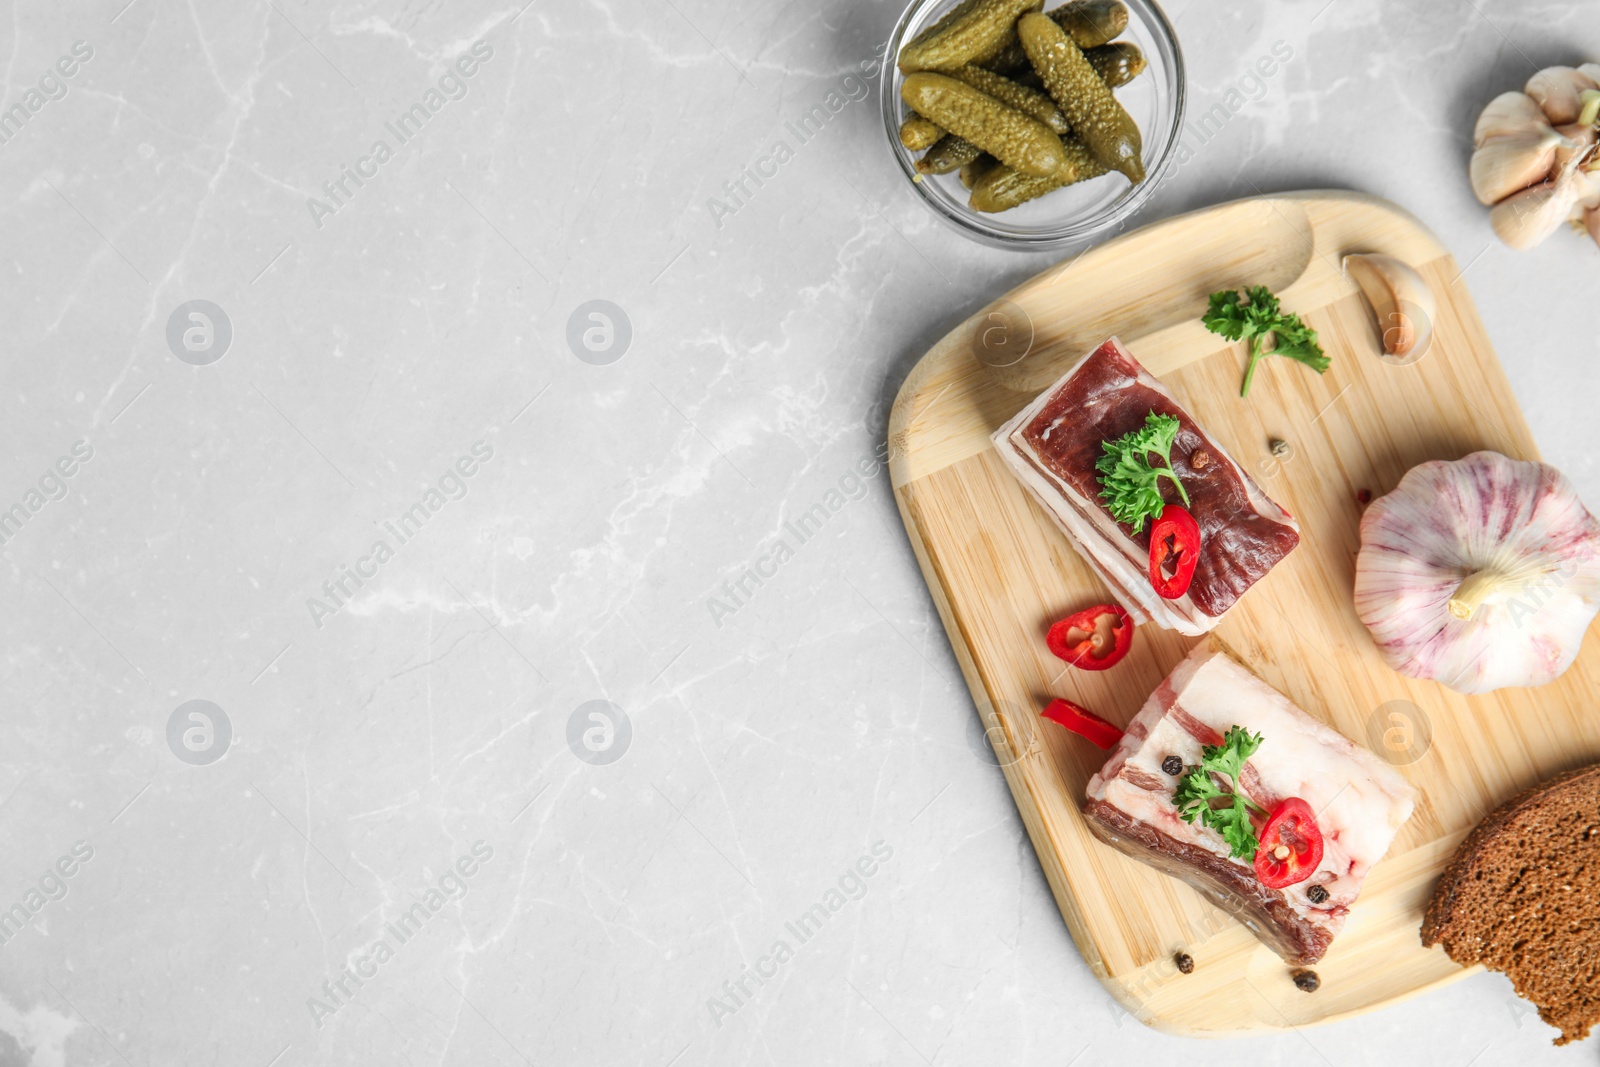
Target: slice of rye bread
(1522, 896)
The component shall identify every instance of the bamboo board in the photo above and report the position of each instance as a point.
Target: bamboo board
(1000, 572)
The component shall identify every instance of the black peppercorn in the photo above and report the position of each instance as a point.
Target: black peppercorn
(1318, 894)
(1184, 962)
(1172, 765)
(1307, 981)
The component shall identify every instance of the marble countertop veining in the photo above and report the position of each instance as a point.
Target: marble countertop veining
(455, 609)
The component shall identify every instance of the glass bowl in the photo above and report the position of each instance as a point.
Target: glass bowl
(1155, 100)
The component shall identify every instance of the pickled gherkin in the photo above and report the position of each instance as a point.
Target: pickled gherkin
(973, 172)
(950, 153)
(1090, 22)
(1117, 63)
(917, 133)
(1096, 116)
(1020, 141)
(1028, 101)
(1001, 188)
(973, 31)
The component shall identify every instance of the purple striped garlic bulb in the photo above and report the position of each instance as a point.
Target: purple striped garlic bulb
(1479, 573)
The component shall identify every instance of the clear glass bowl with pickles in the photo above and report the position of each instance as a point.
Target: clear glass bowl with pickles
(1033, 123)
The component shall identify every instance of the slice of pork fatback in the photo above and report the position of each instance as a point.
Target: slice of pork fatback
(1052, 446)
(1360, 801)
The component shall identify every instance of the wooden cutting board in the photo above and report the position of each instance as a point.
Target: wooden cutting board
(1000, 572)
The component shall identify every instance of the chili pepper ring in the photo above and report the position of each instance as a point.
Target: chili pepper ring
(1174, 543)
(1093, 639)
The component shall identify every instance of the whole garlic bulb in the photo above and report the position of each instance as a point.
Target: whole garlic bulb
(1534, 160)
(1479, 573)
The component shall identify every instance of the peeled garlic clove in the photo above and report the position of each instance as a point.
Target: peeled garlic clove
(1556, 89)
(1504, 164)
(1511, 112)
(1524, 219)
(1401, 300)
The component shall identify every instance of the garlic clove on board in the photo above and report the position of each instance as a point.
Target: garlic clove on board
(1507, 113)
(1402, 301)
(1512, 161)
(1524, 219)
(1556, 90)
(1479, 573)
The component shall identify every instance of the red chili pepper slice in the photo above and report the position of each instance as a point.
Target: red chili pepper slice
(1084, 723)
(1291, 845)
(1094, 638)
(1174, 545)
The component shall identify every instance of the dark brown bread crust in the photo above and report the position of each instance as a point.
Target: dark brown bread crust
(1230, 886)
(1455, 884)
(1522, 896)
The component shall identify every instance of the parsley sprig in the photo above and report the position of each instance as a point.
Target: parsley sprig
(1130, 484)
(1226, 811)
(1237, 321)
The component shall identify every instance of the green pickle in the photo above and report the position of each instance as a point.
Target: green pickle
(943, 25)
(1117, 63)
(1020, 141)
(1090, 22)
(1001, 188)
(917, 133)
(1026, 100)
(1096, 117)
(974, 172)
(973, 31)
(950, 153)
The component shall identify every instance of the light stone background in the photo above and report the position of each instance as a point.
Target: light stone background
(370, 353)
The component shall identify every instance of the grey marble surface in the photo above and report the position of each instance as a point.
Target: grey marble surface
(427, 738)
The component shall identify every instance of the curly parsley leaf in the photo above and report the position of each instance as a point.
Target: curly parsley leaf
(1199, 796)
(1254, 318)
(1228, 758)
(1130, 485)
